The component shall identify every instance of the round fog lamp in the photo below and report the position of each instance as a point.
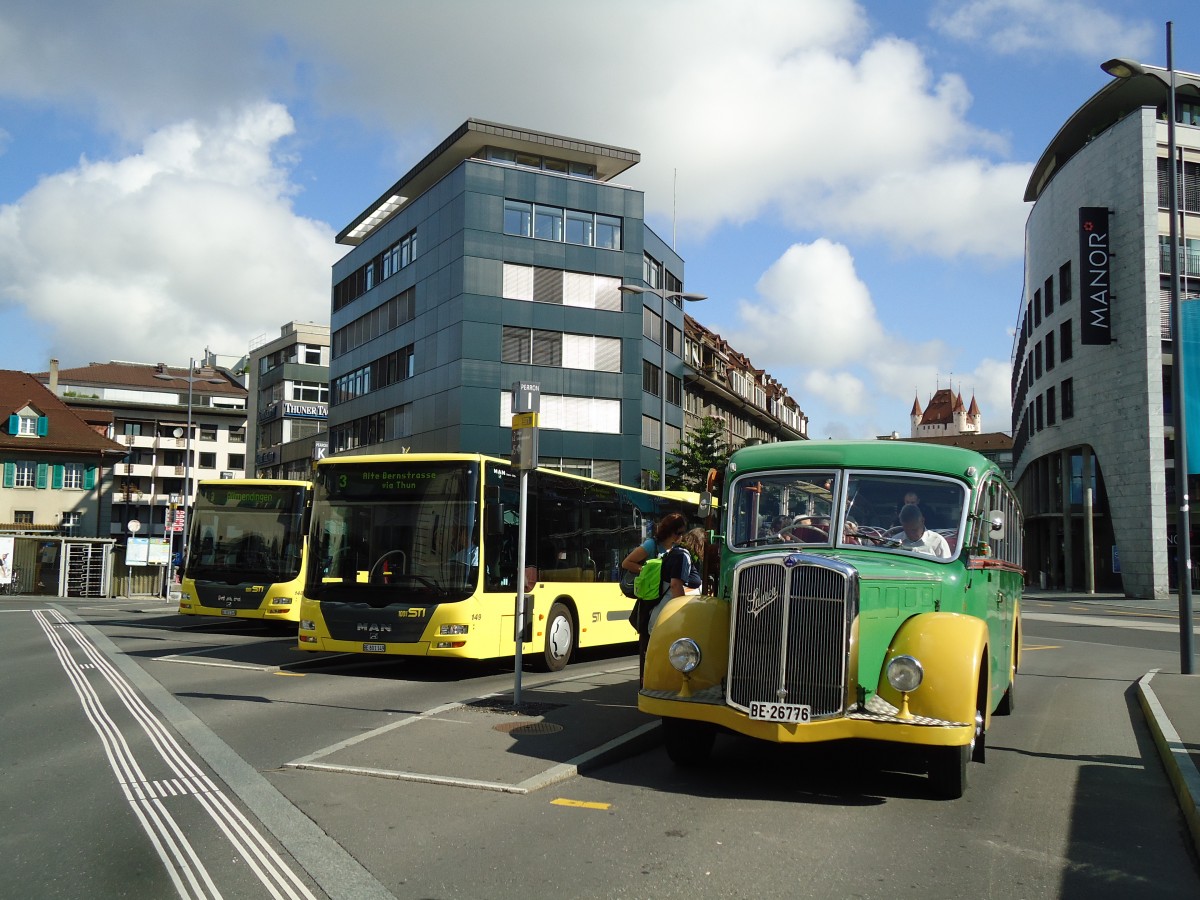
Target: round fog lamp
(904, 674)
(684, 655)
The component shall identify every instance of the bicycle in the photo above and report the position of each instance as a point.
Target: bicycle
(13, 585)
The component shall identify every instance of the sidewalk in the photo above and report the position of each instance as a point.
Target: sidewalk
(1170, 702)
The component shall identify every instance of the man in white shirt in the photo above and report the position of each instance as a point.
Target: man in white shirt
(916, 537)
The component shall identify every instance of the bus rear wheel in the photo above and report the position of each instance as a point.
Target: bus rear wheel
(560, 639)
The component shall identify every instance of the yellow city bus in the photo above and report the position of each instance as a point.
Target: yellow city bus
(246, 549)
(417, 555)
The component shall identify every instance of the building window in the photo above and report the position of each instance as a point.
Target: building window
(650, 433)
(310, 391)
(650, 378)
(1049, 351)
(70, 521)
(27, 426)
(72, 477)
(547, 223)
(1039, 414)
(237, 461)
(581, 227)
(674, 390)
(384, 318)
(1064, 341)
(519, 219)
(26, 474)
(1037, 308)
(208, 460)
(1048, 294)
(578, 289)
(23, 516)
(208, 432)
(651, 325)
(312, 354)
(1050, 407)
(608, 232)
(1064, 283)
(1037, 360)
(1068, 398)
(237, 434)
(377, 269)
(563, 413)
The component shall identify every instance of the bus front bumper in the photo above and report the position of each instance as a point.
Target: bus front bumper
(877, 721)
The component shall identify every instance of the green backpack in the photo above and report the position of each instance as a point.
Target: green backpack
(648, 584)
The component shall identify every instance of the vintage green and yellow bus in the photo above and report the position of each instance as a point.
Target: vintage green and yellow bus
(417, 555)
(246, 549)
(867, 590)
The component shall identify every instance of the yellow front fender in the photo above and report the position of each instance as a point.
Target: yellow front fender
(950, 648)
(703, 619)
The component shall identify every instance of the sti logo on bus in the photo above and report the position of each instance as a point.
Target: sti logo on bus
(413, 612)
(1095, 276)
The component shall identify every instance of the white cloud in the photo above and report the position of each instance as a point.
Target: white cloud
(788, 108)
(812, 311)
(1010, 27)
(190, 243)
(963, 208)
(813, 325)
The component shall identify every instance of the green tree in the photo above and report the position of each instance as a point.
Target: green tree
(702, 449)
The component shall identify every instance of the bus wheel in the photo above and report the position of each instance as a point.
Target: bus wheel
(560, 639)
(688, 743)
(1009, 701)
(948, 771)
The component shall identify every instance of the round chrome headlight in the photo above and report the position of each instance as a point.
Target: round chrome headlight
(904, 674)
(684, 655)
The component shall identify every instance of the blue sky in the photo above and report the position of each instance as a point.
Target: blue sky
(844, 179)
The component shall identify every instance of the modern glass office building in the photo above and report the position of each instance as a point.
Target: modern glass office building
(1093, 411)
(498, 259)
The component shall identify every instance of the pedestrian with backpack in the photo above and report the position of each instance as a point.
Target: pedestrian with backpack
(670, 529)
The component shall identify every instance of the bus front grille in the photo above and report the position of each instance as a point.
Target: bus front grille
(791, 627)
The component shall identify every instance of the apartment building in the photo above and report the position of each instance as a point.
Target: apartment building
(288, 401)
(177, 427)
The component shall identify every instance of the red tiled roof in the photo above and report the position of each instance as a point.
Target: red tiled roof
(990, 441)
(143, 375)
(940, 410)
(67, 433)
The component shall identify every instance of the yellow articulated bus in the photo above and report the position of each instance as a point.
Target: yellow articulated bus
(246, 549)
(417, 555)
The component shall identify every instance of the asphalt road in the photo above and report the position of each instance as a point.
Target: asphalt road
(148, 756)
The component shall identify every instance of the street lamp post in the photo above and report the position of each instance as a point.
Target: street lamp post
(191, 379)
(1124, 68)
(664, 296)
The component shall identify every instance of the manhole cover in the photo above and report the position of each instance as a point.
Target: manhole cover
(527, 728)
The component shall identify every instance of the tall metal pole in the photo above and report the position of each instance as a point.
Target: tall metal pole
(662, 398)
(1183, 525)
(187, 467)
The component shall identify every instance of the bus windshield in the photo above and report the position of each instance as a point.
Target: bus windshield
(246, 533)
(892, 511)
(379, 528)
